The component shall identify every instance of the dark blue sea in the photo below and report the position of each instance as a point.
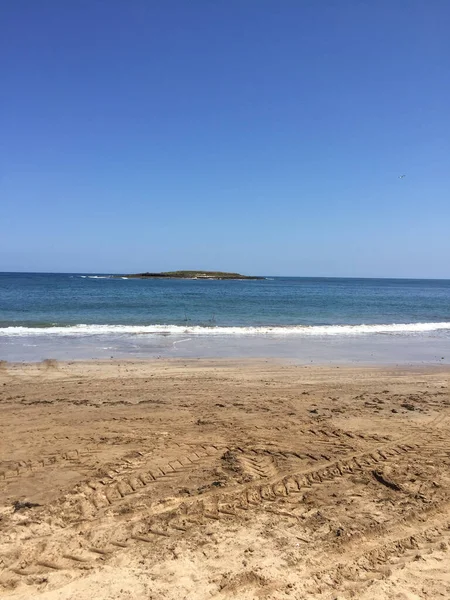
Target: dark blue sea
(99, 313)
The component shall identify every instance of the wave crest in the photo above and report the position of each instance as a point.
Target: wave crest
(289, 330)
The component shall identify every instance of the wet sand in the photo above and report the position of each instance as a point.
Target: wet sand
(223, 479)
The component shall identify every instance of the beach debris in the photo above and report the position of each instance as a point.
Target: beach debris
(384, 480)
(17, 505)
(50, 363)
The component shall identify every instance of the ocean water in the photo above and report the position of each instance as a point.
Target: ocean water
(83, 316)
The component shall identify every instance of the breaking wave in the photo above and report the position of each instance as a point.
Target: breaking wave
(289, 330)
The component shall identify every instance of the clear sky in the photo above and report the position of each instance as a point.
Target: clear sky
(261, 136)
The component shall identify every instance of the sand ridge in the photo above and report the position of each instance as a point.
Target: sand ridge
(223, 479)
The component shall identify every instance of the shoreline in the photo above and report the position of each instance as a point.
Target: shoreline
(424, 348)
(235, 363)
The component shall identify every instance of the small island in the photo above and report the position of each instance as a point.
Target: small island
(191, 275)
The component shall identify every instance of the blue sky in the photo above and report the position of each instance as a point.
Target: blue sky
(251, 135)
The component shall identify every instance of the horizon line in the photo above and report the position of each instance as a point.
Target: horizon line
(276, 276)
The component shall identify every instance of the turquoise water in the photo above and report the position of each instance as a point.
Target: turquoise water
(98, 312)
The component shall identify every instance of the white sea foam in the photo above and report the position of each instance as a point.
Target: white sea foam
(298, 330)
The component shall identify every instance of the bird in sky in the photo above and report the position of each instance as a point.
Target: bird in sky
(401, 176)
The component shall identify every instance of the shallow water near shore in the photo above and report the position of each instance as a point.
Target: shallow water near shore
(364, 349)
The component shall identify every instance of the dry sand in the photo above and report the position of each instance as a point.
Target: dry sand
(218, 479)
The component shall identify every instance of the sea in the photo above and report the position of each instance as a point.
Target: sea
(304, 319)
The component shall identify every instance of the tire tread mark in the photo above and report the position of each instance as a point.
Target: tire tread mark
(100, 494)
(282, 485)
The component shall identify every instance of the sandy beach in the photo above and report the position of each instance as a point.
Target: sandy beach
(199, 479)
